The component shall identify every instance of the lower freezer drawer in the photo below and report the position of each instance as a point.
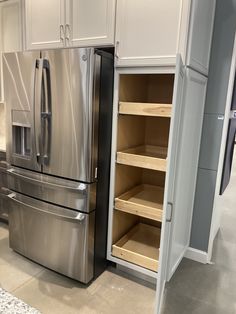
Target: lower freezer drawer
(58, 238)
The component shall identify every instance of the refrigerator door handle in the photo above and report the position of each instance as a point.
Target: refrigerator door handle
(80, 188)
(37, 108)
(74, 216)
(46, 112)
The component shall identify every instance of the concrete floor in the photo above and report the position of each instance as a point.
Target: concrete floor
(194, 289)
(113, 292)
(209, 289)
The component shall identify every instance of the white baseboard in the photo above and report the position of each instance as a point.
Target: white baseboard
(196, 255)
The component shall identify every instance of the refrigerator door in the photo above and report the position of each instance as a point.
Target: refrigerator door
(69, 112)
(53, 236)
(21, 78)
(75, 195)
(229, 153)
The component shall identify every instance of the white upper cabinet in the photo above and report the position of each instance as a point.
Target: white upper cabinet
(11, 26)
(200, 34)
(153, 32)
(147, 31)
(91, 22)
(44, 23)
(64, 23)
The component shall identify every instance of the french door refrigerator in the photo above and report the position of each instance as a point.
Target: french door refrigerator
(58, 115)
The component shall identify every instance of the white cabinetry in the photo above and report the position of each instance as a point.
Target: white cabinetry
(157, 123)
(64, 23)
(200, 34)
(11, 26)
(11, 32)
(152, 32)
(92, 22)
(44, 23)
(147, 31)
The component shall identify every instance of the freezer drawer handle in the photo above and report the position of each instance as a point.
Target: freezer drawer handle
(80, 217)
(81, 187)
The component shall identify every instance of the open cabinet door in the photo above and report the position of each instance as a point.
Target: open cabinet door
(174, 141)
(184, 146)
(187, 167)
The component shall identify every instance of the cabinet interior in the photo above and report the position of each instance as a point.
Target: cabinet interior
(136, 131)
(145, 103)
(146, 88)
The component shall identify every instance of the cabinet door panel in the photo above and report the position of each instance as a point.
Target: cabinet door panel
(11, 28)
(147, 31)
(200, 34)
(171, 178)
(92, 22)
(43, 20)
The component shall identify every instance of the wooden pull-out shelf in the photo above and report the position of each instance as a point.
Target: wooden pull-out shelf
(143, 200)
(147, 156)
(140, 246)
(145, 109)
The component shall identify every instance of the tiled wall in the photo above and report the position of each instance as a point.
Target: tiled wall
(2, 127)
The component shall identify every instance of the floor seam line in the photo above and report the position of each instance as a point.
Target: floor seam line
(27, 281)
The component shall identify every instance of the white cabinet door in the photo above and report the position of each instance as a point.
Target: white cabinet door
(91, 22)
(147, 32)
(187, 166)
(44, 23)
(171, 176)
(11, 26)
(200, 34)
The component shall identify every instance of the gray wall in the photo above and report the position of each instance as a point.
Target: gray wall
(221, 54)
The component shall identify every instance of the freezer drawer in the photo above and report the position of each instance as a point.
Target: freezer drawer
(3, 187)
(71, 194)
(55, 237)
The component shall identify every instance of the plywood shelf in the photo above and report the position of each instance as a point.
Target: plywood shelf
(145, 109)
(146, 156)
(139, 246)
(143, 200)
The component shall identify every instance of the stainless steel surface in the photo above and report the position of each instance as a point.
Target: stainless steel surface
(55, 237)
(71, 194)
(53, 104)
(19, 80)
(3, 186)
(73, 151)
(53, 100)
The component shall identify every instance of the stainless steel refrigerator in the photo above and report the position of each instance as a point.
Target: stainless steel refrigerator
(59, 107)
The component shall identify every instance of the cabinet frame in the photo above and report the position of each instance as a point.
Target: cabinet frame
(118, 72)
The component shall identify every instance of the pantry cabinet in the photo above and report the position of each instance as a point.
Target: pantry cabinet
(157, 122)
(152, 32)
(65, 23)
